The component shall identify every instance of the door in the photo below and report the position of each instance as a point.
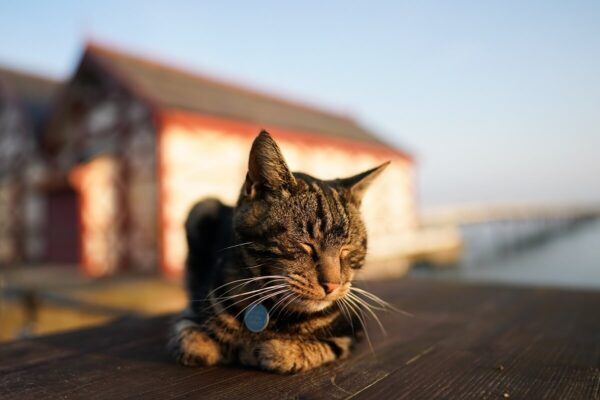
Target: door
(62, 233)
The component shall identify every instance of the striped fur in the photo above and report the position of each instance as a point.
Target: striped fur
(292, 243)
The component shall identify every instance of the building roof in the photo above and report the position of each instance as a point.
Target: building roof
(169, 87)
(32, 92)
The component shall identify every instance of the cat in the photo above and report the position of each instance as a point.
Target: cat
(291, 245)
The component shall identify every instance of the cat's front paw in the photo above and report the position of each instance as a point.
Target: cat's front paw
(280, 356)
(192, 347)
(288, 356)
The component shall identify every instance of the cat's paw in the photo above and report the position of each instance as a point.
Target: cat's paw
(192, 347)
(280, 356)
(288, 356)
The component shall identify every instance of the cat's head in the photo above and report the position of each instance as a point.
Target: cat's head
(295, 226)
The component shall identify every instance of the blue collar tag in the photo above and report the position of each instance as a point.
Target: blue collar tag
(256, 318)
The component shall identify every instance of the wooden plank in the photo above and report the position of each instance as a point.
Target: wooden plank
(465, 341)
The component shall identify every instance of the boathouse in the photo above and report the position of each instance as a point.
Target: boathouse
(133, 142)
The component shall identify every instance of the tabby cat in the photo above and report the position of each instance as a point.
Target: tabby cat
(270, 281)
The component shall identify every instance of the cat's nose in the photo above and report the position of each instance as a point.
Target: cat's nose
(330, 286)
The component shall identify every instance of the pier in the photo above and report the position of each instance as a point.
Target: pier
(480, 214)
(446, 231)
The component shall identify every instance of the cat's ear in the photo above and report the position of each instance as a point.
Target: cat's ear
(267, 170)
(357, 185)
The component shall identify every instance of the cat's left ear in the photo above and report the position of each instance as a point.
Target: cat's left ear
(357, 185)
(267, 170)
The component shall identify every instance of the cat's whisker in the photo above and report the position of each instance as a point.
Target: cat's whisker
(253, 278)
(245, 281)
(225, 298)
(367, 307)
(290, 301)
(384, 304)
(239, 283)
(263, 282)
(256, 266)
(340, 308)
(280, 302)
(339, 305)
(234, 246)
(260, 300)
(216, 301)
(221, 299)
(258, 295)
(372, 296)
(265, 291)
(359, 316)
(345, 313)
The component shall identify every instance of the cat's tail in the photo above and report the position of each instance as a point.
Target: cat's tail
(208, 229)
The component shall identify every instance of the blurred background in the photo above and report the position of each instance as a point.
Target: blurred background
(115, 117)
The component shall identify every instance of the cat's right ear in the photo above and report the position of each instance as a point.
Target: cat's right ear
(357, 185)
(267, 170)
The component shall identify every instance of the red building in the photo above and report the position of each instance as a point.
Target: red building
(132, 143)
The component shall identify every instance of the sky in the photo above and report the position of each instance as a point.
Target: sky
(498, 100)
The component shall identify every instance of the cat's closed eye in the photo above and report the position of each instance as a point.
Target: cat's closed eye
(309, 249)
(344, 252)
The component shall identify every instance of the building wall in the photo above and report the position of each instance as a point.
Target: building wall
(118, 193)
(16, 149)
(204, 157)
(97, 185)
(141, 197)
(105, 143)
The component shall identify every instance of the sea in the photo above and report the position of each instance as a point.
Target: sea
(500, 253)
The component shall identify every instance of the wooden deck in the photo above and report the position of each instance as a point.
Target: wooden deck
(465, 341)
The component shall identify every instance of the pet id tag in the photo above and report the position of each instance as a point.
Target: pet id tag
(256, 318)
